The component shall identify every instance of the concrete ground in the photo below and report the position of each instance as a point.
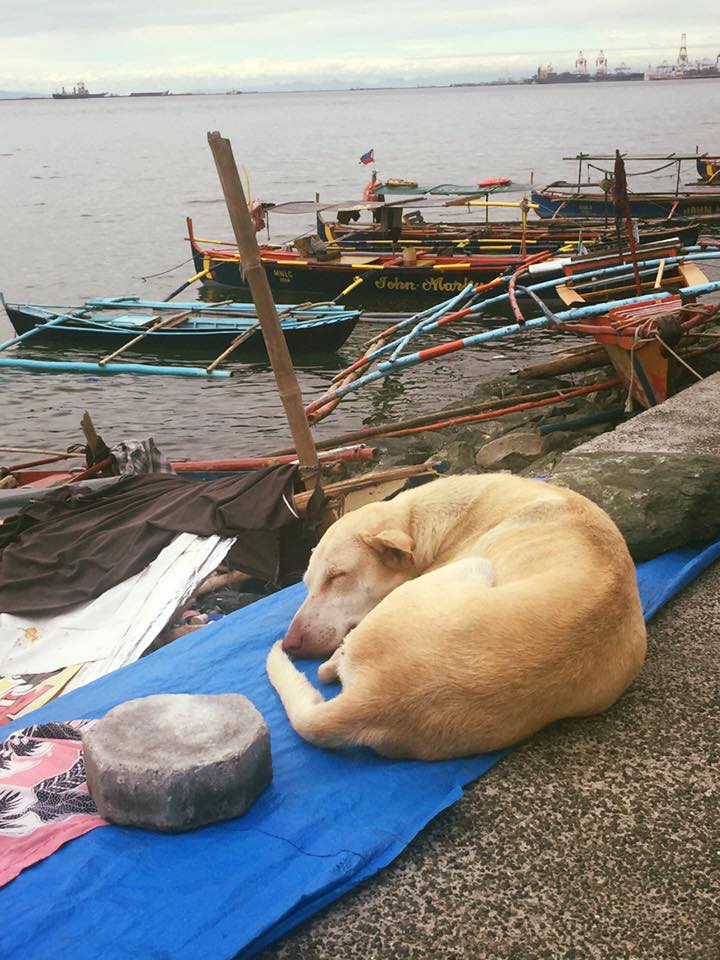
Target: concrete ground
(599, 838)
(689, 423)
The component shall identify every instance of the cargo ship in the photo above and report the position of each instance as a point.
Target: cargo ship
(581, 74)
(684, 68)
(78, 92)
(623, 72)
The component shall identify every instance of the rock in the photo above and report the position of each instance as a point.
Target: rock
(415, 448)
(460, 456)
(513, 451)
(565, 408)
(173, 762)
(659, 501)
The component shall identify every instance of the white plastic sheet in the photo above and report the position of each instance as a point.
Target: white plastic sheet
(117, 626)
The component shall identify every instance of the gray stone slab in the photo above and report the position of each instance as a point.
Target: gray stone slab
(173, 762)
(659, 501)
(689, 422)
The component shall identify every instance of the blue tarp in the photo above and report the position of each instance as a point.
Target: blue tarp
(328, 820)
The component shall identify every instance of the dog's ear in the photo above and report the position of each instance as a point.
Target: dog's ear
(394, 546)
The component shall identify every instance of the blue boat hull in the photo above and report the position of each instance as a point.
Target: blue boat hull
(601, 207)
(318, 337)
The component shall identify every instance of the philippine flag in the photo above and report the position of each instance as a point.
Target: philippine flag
(368, 157)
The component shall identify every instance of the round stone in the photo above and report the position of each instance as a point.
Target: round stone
(173, 762)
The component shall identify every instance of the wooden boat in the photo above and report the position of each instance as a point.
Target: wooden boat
(173, 327)
(708, 169)
(379, 276)
(652, 270)
(642, 340)
(563, 200)
(499, 236)
(383, 227)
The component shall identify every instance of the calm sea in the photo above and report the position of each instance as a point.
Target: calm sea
(94, 195)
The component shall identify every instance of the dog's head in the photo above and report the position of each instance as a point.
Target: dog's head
(362, 558)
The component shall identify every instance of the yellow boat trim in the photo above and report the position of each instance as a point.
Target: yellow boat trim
(219, 243)
(493, 203)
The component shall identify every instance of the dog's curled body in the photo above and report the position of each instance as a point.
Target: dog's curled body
(472, 611)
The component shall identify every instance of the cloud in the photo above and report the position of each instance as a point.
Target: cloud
(178, 43)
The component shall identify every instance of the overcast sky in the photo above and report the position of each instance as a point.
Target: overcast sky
(124, 45)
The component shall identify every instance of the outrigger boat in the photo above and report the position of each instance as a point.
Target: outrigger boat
(391, 225)
(422, 276)
(159, 326)
(589, 279)
(499, 236)
(708, 169)
(563, 199)
(642, 341)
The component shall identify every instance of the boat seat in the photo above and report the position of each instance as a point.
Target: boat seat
(355, 259)
(692, 274)
(568, 295)
(138, 320)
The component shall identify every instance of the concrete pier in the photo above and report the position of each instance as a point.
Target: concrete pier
(688, 423)
(600, 837)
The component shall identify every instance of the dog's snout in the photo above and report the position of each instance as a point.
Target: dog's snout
(293, 640)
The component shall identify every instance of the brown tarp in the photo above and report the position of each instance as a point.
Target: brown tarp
(71, 545)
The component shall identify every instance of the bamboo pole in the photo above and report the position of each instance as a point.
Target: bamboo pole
(428, 419)
(596, 357)
(49, 453)
(170, 321)
(240, 339)
(288, 387)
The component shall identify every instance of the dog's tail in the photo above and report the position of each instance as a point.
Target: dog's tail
(325, 723)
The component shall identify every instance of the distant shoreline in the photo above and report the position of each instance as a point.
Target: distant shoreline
(10, 97)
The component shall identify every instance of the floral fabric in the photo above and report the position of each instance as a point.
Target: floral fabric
(44, 800)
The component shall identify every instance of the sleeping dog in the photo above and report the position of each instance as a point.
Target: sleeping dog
(460, 617)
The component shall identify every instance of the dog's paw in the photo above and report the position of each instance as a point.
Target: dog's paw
(327, 672)
(275, 657)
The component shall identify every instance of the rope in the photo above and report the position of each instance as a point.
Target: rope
(678, 357)
(163, 272)
(638, 173)
(628, 405)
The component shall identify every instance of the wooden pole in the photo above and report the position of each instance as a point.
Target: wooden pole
(275, 343)
(170, 321)
(240, 339)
